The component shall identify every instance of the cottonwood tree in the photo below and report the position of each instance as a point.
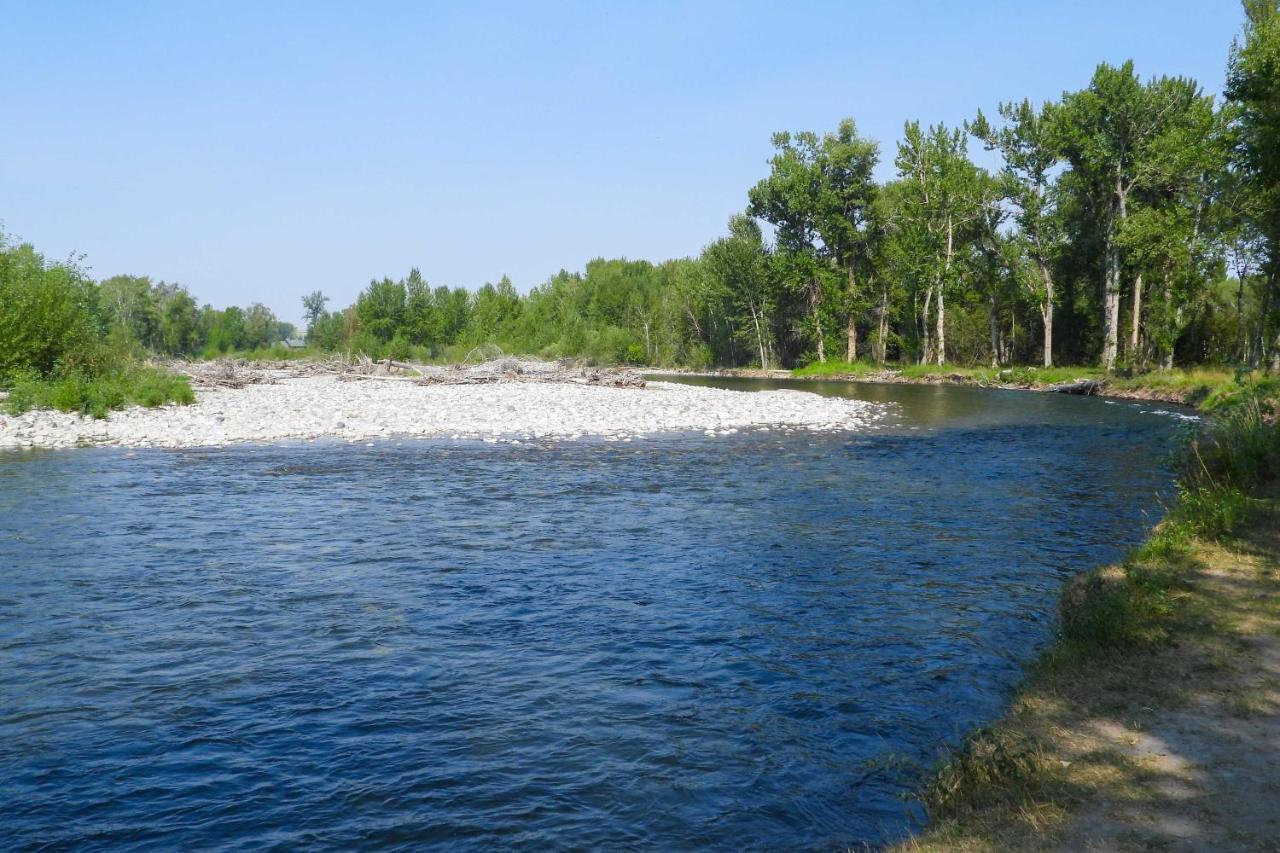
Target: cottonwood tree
(1121, 136)
(313, 307)
(1026, 145)
(789, 199)
(738, 267)
(1253, 89)
(943, 193)
(846, 193)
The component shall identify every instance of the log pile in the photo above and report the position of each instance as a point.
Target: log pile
(237, 373)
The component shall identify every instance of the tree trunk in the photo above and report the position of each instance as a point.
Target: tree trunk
(1166, 293)
(755, 319)
(815, 305)
(1046, 308)
(942, 311)
(1263, 322)
(1137, 314)
(1046, 317)
(1240, 325)
(884, 323)
(852, 331)
(925, 351)
(993, 326)
(1111, 287)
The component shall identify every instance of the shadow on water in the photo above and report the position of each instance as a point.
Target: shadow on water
(681, 642)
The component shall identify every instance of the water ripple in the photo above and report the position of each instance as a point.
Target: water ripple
(710, 643)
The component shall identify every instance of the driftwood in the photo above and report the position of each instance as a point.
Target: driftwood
(357, 367)
(1085, 387)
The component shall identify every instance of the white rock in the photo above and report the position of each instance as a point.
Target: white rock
(359, 411)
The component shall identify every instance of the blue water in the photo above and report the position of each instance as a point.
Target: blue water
(683, 642)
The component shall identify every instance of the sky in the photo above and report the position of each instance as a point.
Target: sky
(256, 152)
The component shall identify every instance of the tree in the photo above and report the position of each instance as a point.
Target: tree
(46, 312)
(381, 307)
(177, 329)
(942, 194)
(1121, 136)
(313, 308)
(846, 193)
(738, 267)
(260, 326)
(788, 199)
(1253, 89)
(128, 307)
(1026, 146)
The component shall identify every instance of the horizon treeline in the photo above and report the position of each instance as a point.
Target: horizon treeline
(1132, 223)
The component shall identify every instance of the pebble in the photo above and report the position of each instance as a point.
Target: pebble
(309, 408)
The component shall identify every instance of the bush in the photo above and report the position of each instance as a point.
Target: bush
(97, 395)
(991, 765)
(46, 313)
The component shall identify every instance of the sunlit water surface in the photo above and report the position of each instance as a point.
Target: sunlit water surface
(680, 642)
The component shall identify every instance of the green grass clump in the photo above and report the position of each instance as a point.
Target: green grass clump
(97, 395)
(991, 766)
(837, 368)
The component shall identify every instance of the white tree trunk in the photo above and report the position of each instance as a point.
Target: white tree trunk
(852, 331)
(815, 305)
(942, 311)
(755, 318)
(1137, 314)
(925, 351)
(1111, 287)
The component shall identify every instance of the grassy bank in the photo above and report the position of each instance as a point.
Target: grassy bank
(1153, 720)
(96, 394)
(1178, 386)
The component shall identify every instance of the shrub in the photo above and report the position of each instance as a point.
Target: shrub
(46, 312)
(97, 395)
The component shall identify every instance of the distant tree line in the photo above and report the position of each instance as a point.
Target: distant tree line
(1132, 223)
(53, 315)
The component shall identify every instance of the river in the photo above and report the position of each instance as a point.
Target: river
(745, 641)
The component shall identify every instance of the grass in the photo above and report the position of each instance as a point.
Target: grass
(1192, 386)
(1137, 640)
(97, 395)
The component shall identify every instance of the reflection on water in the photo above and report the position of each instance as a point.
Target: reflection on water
(682, 642)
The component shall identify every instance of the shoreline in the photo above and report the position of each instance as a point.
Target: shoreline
(309, 408)
(1150, 393)
(1165, 740)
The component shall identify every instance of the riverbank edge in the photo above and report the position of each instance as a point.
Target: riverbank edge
(1100, 385)
(1181, 636)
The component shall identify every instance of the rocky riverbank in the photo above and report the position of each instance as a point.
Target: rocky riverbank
(325, 406)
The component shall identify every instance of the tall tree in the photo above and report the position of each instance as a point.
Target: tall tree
(313, 308)
(1027, 148)
(789, 199)
(1120, 136)
(1253, 88)
(738, 266)
(846, 193)
(943, 194)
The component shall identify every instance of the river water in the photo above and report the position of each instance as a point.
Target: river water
(682, 642)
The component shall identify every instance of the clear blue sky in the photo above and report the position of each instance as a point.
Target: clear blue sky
(258, 151)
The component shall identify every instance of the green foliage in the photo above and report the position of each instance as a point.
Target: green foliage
(46, 312)
(96, 395)
(990, 766)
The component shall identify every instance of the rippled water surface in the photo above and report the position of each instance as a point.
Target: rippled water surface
(681, 642)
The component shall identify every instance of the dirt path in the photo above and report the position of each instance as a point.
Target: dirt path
(1176, 748)
(1199, 764)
